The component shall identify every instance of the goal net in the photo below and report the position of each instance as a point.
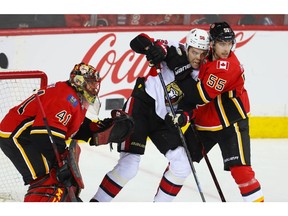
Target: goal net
(15, 87)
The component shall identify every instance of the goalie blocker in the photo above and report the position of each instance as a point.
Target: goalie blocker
(121, 128)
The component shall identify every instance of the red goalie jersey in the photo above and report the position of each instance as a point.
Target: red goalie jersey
(64, 113)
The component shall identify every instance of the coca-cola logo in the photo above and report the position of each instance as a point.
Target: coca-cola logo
(127, 66)
(240, 39)
(114, 64)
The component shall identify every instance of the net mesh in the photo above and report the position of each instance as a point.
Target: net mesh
(13, 91)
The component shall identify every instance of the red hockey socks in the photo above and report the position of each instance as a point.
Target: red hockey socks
(249, 186)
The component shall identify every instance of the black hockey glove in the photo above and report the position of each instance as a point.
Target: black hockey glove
(181, 119)
(140, 43)
(177, 61)
(156, 53)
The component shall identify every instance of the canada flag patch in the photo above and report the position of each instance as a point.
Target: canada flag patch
(222, 65)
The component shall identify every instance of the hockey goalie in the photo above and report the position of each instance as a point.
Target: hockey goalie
(34, 135)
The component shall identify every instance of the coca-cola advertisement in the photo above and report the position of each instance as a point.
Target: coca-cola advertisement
(108, 50)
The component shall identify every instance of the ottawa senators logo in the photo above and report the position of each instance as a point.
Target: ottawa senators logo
(175, 94)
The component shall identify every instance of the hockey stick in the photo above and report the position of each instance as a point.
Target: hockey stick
(181, 135)
(53, 143)
(204, 153)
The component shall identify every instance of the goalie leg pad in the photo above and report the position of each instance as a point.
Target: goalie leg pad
(46, 189)
(73, 160)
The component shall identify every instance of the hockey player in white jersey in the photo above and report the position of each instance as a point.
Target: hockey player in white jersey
(148, 107)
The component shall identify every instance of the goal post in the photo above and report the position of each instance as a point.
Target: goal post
(16, 86)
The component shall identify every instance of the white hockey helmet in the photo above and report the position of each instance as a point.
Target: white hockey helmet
(197, 38)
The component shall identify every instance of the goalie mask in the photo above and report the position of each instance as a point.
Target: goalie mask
(86, 80)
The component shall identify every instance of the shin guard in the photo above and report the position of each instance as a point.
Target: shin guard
(47, 189)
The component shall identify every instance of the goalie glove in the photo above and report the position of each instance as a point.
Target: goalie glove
(177, 61)
(89, 127)
(101, 125)
(180, 119)
(121, 128)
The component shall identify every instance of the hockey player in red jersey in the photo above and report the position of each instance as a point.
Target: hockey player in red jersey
(25, 140)
(222, 111)
(148, 107)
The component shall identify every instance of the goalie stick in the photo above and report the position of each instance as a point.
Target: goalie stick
(71, 193)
